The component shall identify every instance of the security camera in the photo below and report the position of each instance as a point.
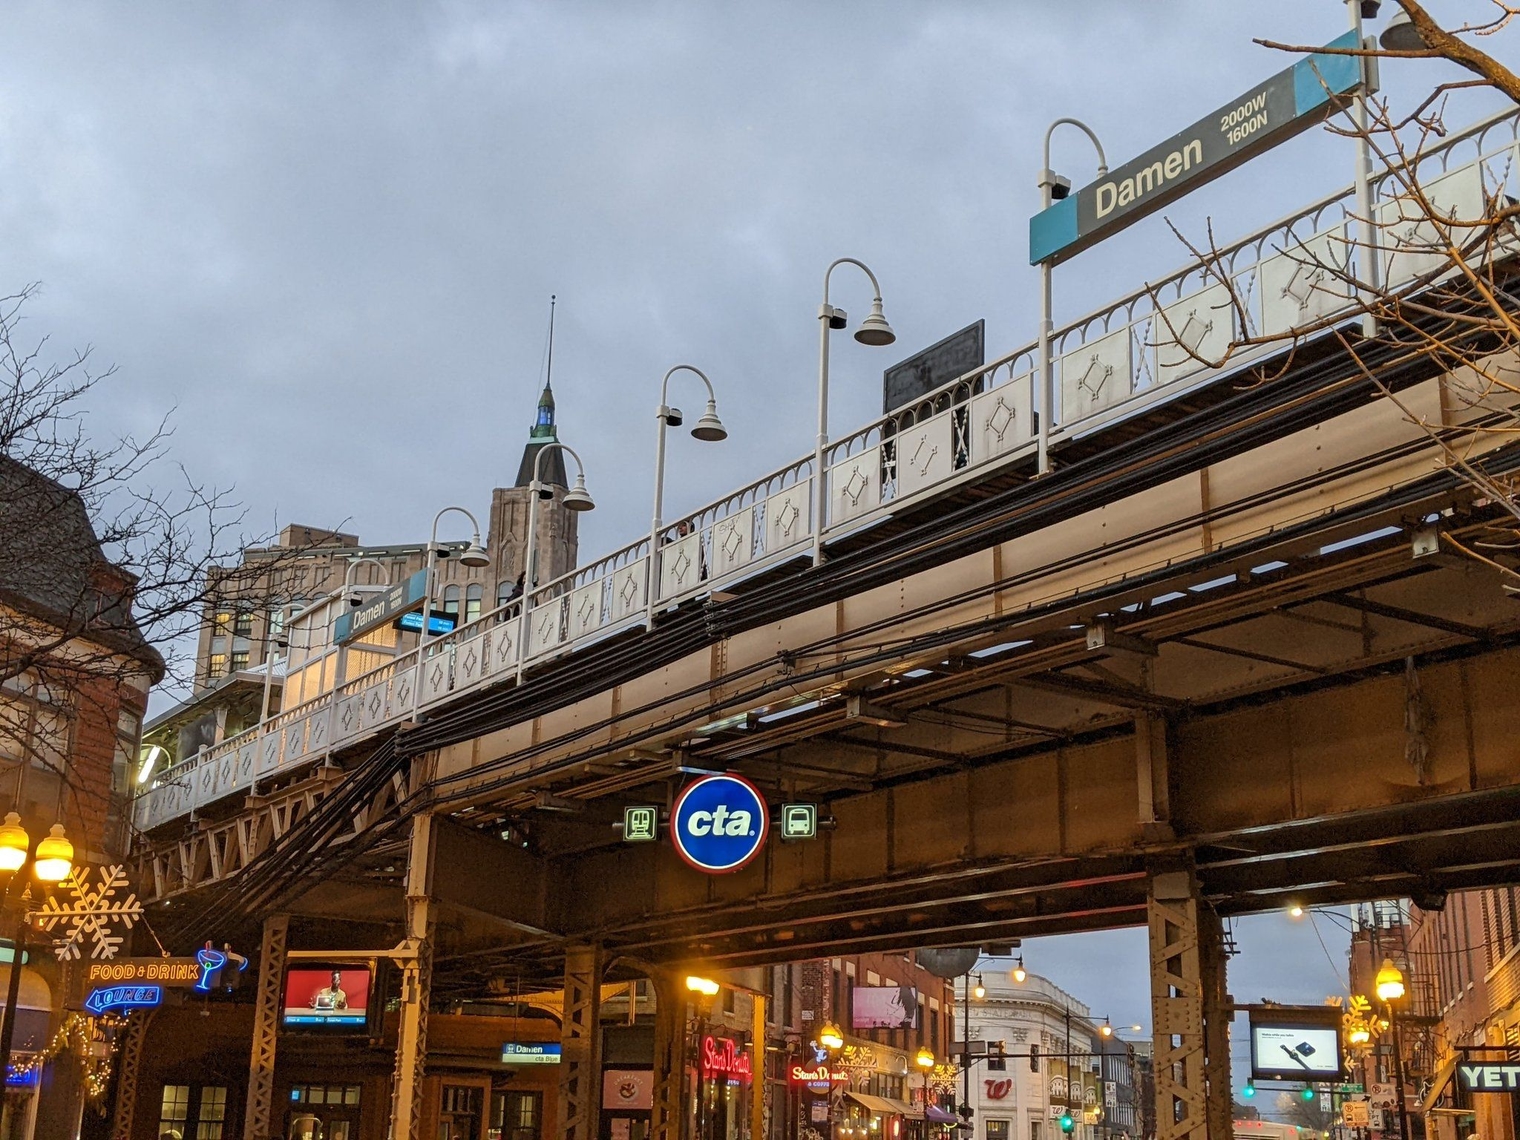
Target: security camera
(1060, 187)
(838, 319)
(673, 417)
(355, 600)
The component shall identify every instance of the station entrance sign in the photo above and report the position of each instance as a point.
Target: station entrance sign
(719, 823)
(1290, 102)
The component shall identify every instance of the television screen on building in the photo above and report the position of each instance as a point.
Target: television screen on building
(1296, 1044)
(327, 997)
(884, 1007)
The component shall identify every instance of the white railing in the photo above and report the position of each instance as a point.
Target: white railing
(1132, 355)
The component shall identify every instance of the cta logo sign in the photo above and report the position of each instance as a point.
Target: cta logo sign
(719, 823)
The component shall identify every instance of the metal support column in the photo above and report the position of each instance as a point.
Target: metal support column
(668, 1116)
(757, 1068)
(416, 986)
(257, 1117)
(129, 1064)
(580, 1073)
(1188, 1011)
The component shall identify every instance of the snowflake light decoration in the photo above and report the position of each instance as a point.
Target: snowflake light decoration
(92, 914)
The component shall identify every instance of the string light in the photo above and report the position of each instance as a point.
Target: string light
(79, 1034)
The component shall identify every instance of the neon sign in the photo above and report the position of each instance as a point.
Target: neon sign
(723, 1056)
(101, 1001)
(816, 1075)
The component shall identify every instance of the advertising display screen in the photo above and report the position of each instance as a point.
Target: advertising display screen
(319, 998)
(884, 1007)
(1296, 1044)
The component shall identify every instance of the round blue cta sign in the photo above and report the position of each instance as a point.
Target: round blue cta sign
(719, 823)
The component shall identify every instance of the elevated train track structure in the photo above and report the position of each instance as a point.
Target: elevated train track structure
(1218, 659)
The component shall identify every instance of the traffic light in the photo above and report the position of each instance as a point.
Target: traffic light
(1249, 1091)
(1034, 1058)
(1307, 1094)
(1067, 1123)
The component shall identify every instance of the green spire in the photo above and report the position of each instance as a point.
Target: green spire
(543, 427)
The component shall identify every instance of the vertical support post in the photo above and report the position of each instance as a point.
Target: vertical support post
(128, 1067)
(1153, 776)
(1188, 1011)
(1369, 258)
(1046, 366)
(257, 1116)
(668, 1115)
(757, 1069)
(416, 985)
(580, 1074)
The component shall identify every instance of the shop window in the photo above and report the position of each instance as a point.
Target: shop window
(174, 1110)
(472, 598)
(213, 1113)
(459, 1112)
(997, 1130)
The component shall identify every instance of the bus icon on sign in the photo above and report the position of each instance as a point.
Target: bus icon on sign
(719, 823)
(799, 821)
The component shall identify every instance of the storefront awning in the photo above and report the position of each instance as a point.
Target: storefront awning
(939, 1116)
(884, 1106)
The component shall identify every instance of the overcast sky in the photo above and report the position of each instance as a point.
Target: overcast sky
(326, 234)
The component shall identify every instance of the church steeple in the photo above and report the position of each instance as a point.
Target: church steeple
(543, 428)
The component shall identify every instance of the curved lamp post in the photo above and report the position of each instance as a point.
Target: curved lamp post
(473, 555)
(348, 577)
(709, 429)
(1053, 186)
(577, 498)
(874, 330)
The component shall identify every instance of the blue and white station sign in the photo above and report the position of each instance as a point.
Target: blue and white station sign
(719, 823)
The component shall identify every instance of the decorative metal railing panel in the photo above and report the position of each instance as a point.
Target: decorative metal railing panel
(1142, 350)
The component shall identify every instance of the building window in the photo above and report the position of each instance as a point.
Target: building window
(213, 1112)
(451, 600)
(1034, 1130)
(997, 1130)
(239, 660)
(515, 1116)
(505, 592)
(223, 620)
(218, 665)
(242, 624)
(472, 597)
(174, 1110)
(324, 1094)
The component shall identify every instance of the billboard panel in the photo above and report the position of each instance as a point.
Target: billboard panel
(1296, 1043)
(321, 998)
(884, 1007)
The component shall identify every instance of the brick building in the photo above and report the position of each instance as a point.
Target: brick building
(75, 671)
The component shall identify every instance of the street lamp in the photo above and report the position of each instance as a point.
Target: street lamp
(709, 429)
(924, 1059)
(1402, 35)
(52, 863)
(473, 555)
(830, 1037)
(875, 331)
(348, 577)
(1106, 1029)
(1389, 985)
(981, 989)
(704, 986)
(577, 498)
(1053, 186)
(273, 641)
(1019, 973)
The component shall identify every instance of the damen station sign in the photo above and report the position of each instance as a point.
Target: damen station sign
(1290, 102)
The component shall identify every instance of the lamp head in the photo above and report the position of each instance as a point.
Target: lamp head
(874, 330)
(710, 428)
(1389, 983)
(830, 1036)
(14, 844)
(924, 1058)
(577, 498)
(1401, 34)
(672, 417)
(55, 857)
(980, 990)
(1106, 1029)
(475, 555)
(1019, 973)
